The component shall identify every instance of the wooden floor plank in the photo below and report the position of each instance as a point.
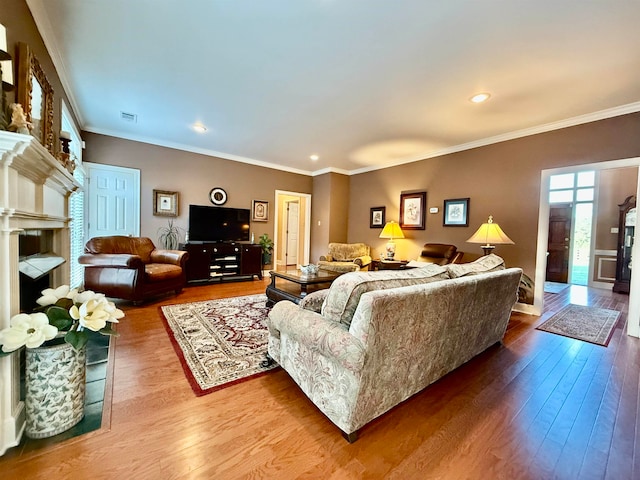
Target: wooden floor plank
(538, 406)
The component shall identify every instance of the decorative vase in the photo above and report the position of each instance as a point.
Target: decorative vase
(55, 389)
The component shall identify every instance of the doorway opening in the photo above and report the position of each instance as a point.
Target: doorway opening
(571, 212)
(292, 231)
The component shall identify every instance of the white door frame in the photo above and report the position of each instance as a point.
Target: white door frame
(136, 195)
(633, 319)
(307, 224)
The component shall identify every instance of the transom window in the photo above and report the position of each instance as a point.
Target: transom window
(572, 187)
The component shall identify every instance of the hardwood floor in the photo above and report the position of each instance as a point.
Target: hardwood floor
(539, 406)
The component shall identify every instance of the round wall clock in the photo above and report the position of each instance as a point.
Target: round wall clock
(218, 196)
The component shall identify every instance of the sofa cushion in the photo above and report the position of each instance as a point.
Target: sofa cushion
(345, 291)
(159, 272)
(488, 263)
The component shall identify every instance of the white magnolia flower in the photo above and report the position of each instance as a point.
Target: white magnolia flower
(92, 314)
(31, 330)
(85, 296)
(114, 312)
(51, 295)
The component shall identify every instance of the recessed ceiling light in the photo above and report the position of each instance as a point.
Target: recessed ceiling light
(480, 97)
(198, 127)
(314, 157)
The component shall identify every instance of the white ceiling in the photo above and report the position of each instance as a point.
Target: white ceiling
(361, 83)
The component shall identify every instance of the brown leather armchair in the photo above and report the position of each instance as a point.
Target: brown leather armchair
(440, 254)
(132, 268)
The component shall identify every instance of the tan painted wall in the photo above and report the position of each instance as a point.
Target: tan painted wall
(615, 185)
(340, 197)
(193, 176)
(320, 215)
(502, 180)
(330, 207)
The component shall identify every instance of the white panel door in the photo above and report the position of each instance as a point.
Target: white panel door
(113, 201)
(293, 215)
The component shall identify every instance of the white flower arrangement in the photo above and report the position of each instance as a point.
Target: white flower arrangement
(61, 310)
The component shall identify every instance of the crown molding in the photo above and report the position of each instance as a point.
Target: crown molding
(201, 151)
(526, 132)
(330, 170)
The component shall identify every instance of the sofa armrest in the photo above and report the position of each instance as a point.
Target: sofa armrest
(175, 257)
(113, 260)
(313, 302)
(315, 332)
(362, 261)
(326, 258)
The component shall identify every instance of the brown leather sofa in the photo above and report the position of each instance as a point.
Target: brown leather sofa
(440, 254)
(132, 268)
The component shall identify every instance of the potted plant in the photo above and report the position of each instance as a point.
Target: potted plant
(169, 236)
(267, 248)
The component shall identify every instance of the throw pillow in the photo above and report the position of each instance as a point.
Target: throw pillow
(345, 291)
(488, 263)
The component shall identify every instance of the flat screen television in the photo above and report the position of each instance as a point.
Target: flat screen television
(218, 224)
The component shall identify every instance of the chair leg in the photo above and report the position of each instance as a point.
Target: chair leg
(350, 437)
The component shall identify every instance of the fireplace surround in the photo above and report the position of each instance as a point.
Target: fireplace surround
(34, 195)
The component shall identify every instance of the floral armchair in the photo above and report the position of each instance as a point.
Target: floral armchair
(346, 257)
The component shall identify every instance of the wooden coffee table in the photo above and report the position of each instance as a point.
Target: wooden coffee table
(294, 286)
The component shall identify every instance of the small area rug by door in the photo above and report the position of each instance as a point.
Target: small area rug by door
(590, 324)
(555, 287)
(219, 342)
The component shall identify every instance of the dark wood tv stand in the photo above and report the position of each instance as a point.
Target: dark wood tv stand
(222, 261)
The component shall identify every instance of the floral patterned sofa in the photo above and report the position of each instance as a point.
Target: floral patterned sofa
(346, 257)
(374, 339)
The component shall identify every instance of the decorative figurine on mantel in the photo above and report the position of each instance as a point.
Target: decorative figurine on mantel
(65, 157)
(19, 122)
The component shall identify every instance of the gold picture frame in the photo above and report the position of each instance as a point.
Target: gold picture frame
(35, 94)
(165, 204)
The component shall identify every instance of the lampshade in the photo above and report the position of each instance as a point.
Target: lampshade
(490, 234)
(391, 230)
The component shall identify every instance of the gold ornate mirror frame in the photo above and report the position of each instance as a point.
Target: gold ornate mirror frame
(36, 96)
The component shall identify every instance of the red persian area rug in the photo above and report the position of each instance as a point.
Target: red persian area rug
(219, 342)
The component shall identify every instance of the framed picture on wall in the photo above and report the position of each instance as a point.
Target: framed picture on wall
(456, 213)
(412, 210)
(376, 217)
(165, 203)
(260, 211)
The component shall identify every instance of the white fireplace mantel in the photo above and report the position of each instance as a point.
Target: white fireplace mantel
(34, 194)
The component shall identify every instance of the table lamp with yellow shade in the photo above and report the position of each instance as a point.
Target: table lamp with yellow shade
(391, 230)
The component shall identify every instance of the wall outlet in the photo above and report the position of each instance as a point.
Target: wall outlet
(614, 230)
